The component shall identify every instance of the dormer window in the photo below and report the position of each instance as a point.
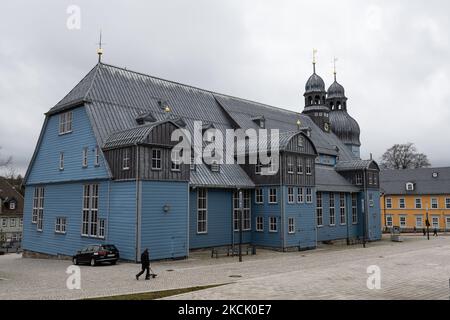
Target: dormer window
(145, 118)
(12, 205)
(65, 122)
(410, 186)
(126, 160)
(300, 142)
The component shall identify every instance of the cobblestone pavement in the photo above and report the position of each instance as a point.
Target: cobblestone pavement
(413, 269)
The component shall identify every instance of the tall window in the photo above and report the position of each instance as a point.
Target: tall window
(419, 222)
(447, 203)
(435, 222)
(308, 195)
(90, 211)
(60, 225)
(291, 225)
(246, 219)
(258, 167)
(290, 195)
(300, 141)
(389, 221)
(418, 203)
(401, 203)
(308, 167)
(273, 224)
(61, 161)
(38, 208)
(319, 209)
(434, 203)
(359, 179)
(370, 178)
(126, 159)
(202, 211)
(97, 156)
(354, 208)
(290, 165)
(85, 157)
(259, 197)
(300, 195)
(156, 159)
(299, 165)
(402, 221)
(65, 122)
(332, 209)
(343, 219)
(260, 224)
(388, 203)
(101, 228)
(273, 195)
(176, 161)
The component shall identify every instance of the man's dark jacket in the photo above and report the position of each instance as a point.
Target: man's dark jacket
(145, 261)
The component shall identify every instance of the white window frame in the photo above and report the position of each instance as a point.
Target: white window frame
(12, 223)
(389, 220)
(102, 228)
(176, 162)
(403, 224)
(290, 165)
(299, 165)
(202, 211)
(308, 167)
(402, 203)
(246, 214)
(90, 215)
(291, 225)
(258, 167)
(300, 195)
(273, 196)
(260, 224)
(421, 222)
(300, 142)
(291, 198)
(61, 161)
(259, 196)
(319, 209)
(38, 208)
(418, 205)
(4, 223)
(156, 159)
(447, 203)
(388, 203)
(359, 179)
(97, 156)
(332, 206)
(60, 225)
(409, 186)
(354, 208)
(84, 161)
(273, 224)
(432, 222)
(447, 222)
(309, 197)
(12, 205)
(126, 159)
(342, 209)
(434, 203)
(65, 122)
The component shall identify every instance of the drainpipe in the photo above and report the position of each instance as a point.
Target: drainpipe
(283, 238)
(366, 207)
(188, 218)
(349, 219)
(138, 208)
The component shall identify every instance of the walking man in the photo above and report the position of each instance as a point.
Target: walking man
(145, 263)
(435, 232)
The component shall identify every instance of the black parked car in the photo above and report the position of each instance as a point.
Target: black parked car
(97, 253)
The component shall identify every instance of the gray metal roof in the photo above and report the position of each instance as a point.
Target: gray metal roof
(315, 84)
(327, 179)
(394, 181)
(336, 90)
(345, 127)
(114, 97)
(356, 165)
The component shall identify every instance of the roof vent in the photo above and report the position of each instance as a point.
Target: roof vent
(435, 175)
(409, 186)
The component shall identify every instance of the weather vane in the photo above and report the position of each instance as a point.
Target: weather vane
(100, 49)
(334, 67)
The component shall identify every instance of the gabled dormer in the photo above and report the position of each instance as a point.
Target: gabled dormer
(145, 118)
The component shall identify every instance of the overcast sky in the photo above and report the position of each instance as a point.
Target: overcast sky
(394, 59)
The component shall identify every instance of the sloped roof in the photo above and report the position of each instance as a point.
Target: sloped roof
(394, 181)
(327, 179)
(114, 97)
(8, 192)
(356, 165)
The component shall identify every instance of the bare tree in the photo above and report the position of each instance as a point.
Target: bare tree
(404, 156)
(4, 162)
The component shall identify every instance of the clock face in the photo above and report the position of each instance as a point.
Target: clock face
(326, 126)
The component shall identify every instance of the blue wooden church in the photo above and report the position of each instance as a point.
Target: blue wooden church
(102, 172)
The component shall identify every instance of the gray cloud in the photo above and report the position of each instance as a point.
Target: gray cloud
(393, 59)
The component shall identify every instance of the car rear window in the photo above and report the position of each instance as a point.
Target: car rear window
(109, 247)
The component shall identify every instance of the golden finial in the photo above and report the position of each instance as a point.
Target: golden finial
(334, 67)
(299, 123)
(314, 59)
(167, 109)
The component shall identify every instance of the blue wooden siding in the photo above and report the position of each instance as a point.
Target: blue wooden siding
(165, 234)
(374, 220)
(305, 223)
(45, 168)
(266, 210)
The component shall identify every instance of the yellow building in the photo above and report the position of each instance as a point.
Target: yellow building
(409, 197)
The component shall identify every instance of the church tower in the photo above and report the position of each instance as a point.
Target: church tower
(315, 100)
(342, 124)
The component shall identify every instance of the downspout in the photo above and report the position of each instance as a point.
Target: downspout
(366, 206)
(188, 220)
(109, 208)
(349, 219)
(138, 208)
(283, 238)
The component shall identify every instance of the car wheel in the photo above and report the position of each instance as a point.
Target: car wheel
(75, 261)
(114, 262)
(93, 263)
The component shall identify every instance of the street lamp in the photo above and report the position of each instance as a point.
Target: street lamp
(427, 222)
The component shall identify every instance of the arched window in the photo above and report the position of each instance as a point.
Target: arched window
(310, 100)
(338, 105)
(317, 99)
(331, 105)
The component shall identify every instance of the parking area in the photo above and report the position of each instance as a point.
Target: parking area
(413, 269)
